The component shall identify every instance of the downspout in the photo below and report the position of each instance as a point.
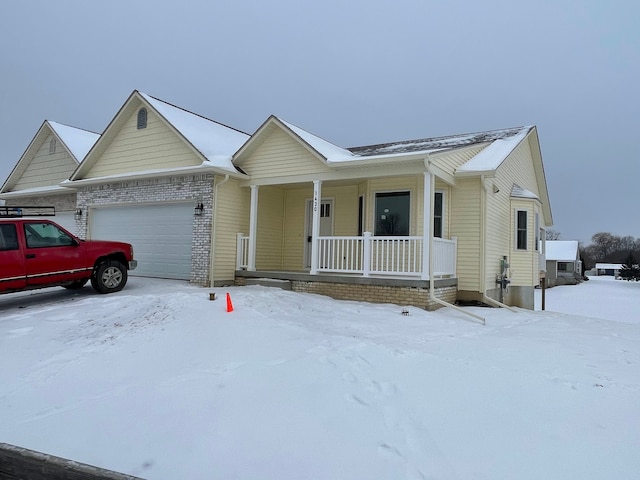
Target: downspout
(483, 250)
(214, 219)
(432, 295)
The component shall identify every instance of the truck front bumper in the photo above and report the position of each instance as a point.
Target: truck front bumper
(133, 264)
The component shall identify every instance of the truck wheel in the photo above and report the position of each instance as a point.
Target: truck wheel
(109, 276)
(78, 284)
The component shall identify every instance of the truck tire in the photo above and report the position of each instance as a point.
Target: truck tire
(109, 276)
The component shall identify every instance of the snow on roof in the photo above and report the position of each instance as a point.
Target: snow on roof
(77, 140)
(430, 145)
(494, 154)
(327, 149)
(561, 250)
(215, 141)
(519, 192)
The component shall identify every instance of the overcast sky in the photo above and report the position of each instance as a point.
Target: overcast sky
(354, 73)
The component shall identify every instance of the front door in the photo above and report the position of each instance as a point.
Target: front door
(326, 226)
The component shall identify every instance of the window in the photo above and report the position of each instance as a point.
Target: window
(392, 213)
(142, 118)
(521, 229)
(438, 214)
(360, 215)
(40, 235)
(8, 237)
(325, 210)
(52, 146)
(565, 267)
(536, 231)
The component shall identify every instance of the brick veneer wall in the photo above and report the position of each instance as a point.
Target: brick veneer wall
(418, 297)
(397, 295)
(63, 202)
(18, 463)
(196, 188)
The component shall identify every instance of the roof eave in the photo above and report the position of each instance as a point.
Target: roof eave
(154, 174)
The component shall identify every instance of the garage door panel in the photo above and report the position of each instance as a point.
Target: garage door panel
(161, 236)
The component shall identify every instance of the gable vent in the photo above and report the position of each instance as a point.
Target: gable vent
(52, 146)
(142, 118)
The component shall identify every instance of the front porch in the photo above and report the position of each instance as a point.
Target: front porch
(369, 239)
(370, 256)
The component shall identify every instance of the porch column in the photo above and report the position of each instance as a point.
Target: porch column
(427, 216)
(253, 229)
(315, 225)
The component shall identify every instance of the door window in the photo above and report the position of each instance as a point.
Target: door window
(41, 235)
(8, 237)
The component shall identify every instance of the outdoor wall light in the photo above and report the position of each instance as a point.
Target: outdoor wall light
(199, 208)
(78, 212)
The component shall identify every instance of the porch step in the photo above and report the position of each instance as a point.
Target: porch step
(270, 282)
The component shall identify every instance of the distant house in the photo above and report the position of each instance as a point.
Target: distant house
(563, 263)
(608, 269)
(53, 154)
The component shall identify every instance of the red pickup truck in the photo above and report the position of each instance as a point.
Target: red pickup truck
(38, 253)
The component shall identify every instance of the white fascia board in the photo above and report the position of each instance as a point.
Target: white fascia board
(167, 172)
(29, 192)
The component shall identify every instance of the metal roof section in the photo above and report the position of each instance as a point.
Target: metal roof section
(518, 192)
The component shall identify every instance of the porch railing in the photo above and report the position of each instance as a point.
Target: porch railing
(242, 251)
(374, 255)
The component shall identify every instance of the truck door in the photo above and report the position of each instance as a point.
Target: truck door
(52, 255)
(12, 267)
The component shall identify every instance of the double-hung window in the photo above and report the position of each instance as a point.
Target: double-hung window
(438, 214)
(521, 229)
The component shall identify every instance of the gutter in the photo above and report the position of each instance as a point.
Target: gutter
(483, 240)
(214, 217)
(432, 295)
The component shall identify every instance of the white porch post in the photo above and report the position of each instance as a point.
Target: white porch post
(315, 225)
(427, 216)
(253, 229)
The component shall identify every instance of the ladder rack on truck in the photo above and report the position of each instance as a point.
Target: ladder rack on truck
(26, 211)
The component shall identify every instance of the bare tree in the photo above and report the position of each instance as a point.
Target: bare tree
(553, 235)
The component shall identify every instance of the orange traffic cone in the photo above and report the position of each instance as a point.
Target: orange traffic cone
(229, 304)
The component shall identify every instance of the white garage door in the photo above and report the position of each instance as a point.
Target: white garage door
(66, 220)
(160, 234)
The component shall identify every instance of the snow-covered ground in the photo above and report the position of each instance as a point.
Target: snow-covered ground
(160, 382)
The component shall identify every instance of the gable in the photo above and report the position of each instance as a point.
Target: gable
(134, 150)
(281, 155)
(46, 169)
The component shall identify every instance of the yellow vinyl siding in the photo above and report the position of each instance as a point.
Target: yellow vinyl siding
(465, 224)
(231, 217)
(450, 161)
(413, 184)
(46, 169)
(270, 229)
(294, 228)
(345, 219)
(516, 169)
(151, 148)
(280, 156)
